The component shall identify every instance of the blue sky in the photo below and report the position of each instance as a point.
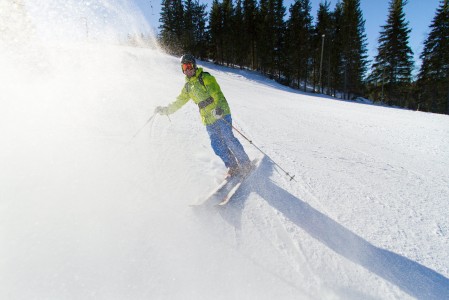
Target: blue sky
(419, 14)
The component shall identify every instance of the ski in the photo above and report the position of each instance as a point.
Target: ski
(254, 164)
(217, 191)
(227, 188)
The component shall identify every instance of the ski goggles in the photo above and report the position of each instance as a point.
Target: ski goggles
(187, 66)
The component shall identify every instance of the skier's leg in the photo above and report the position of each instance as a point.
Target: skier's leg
(232, 143)
(218, 145)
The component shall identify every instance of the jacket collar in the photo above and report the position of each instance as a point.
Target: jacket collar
(195, 77)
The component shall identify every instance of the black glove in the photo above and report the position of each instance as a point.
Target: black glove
(217, 113)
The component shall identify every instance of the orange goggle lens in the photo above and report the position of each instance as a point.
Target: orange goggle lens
(187, 66)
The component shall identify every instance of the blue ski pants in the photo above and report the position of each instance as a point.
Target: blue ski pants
(225, 144)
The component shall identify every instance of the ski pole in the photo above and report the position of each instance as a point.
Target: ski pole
(251, 142)
(138, 131)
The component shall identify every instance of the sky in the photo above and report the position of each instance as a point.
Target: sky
(419, 13)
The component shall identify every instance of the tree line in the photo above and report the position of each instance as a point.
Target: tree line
(327, 55)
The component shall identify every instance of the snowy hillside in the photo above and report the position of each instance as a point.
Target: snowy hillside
(88, 212)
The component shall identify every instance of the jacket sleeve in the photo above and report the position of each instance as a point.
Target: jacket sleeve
(182, 99)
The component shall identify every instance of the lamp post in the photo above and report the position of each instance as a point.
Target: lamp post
(383, 78)
(321, 62)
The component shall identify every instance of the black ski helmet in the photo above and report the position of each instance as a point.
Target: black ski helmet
(188, 58)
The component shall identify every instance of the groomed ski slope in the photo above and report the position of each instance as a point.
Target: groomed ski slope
(88, 212)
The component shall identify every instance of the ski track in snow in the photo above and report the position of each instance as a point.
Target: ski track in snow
(89, 213)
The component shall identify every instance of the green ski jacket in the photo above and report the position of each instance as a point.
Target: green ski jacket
(204, 90)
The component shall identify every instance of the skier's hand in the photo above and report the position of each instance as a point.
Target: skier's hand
(161, 110)
(217, 113)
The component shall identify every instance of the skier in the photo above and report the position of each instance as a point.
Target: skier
(204, 90)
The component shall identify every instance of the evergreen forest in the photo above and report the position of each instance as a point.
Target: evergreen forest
(326, 53)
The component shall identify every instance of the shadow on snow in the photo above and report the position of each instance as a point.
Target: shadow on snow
(410, 276)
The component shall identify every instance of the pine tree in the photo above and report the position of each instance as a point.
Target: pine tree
(239, 36)
(271, 37)
(201, 37)
(265, 41)
(354, 58)
(228, 31)
(392, 70)
(299, 33)
(250, 20)
(172, 26)
(279, 39)
(433, 79)
(188, 34)
(216, 31)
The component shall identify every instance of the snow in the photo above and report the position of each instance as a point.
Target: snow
(88, 212)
